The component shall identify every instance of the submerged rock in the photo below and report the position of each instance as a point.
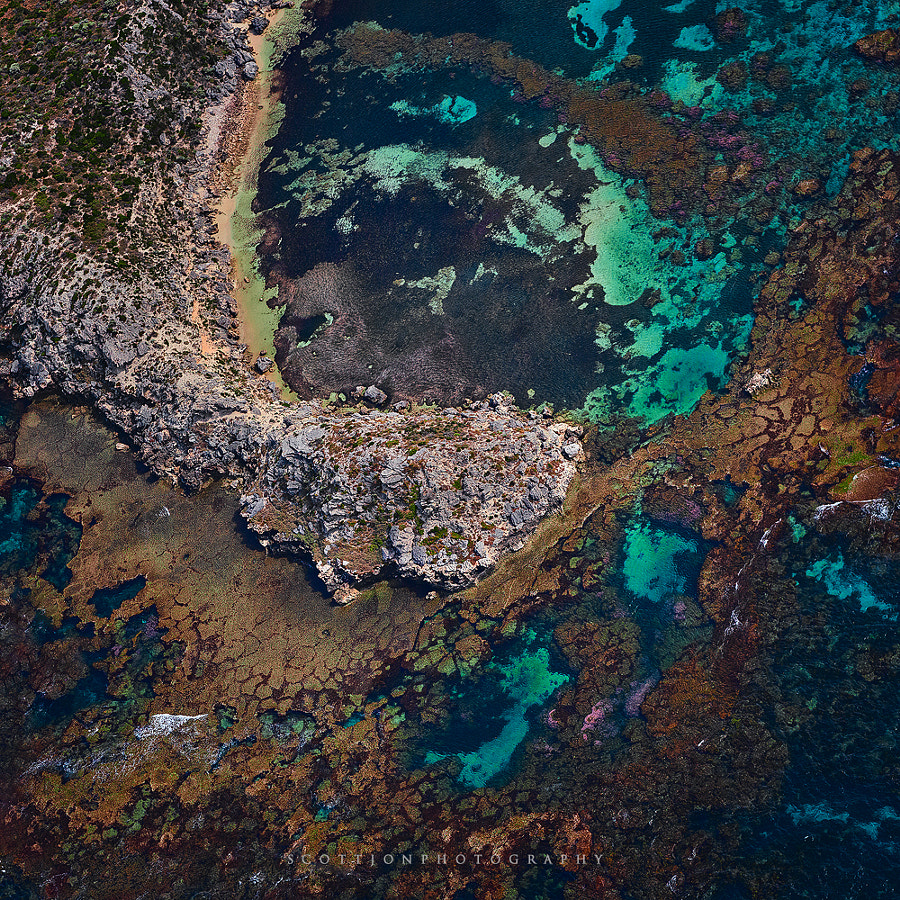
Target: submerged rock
(731, 25)
(882, 46)
(808, 187)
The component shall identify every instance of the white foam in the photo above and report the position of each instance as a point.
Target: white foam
(825, 508)
(164, 723)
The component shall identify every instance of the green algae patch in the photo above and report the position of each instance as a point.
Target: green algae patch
(650, 566)
(528, 681)
(259, 321)
(450, 111)
(282, 35)
(539, 226)
(798, 530)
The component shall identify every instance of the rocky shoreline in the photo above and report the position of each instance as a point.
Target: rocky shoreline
(436, 495)
(432, 494)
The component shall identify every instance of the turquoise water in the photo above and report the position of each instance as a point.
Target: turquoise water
(526, 681)
(450, 110)
(843, 583)
(651, 561)
(29, 532)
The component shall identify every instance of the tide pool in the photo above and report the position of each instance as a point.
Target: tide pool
(527, 681)
(659, 378)
(843, 583)
(650, 567)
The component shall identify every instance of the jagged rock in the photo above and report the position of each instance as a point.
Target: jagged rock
(758, 382)
(442, 513)
(345, 594)
(227, 68)
(250, 70)
(263, 363)
(118, 354)
(300, 445)
(375, 395)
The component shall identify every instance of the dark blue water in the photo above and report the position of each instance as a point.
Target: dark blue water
(89, 691)
(27, 533)
(508, 321)
(108, 600)
(834, 831)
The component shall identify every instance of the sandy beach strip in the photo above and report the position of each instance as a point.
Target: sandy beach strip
(250, 119)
